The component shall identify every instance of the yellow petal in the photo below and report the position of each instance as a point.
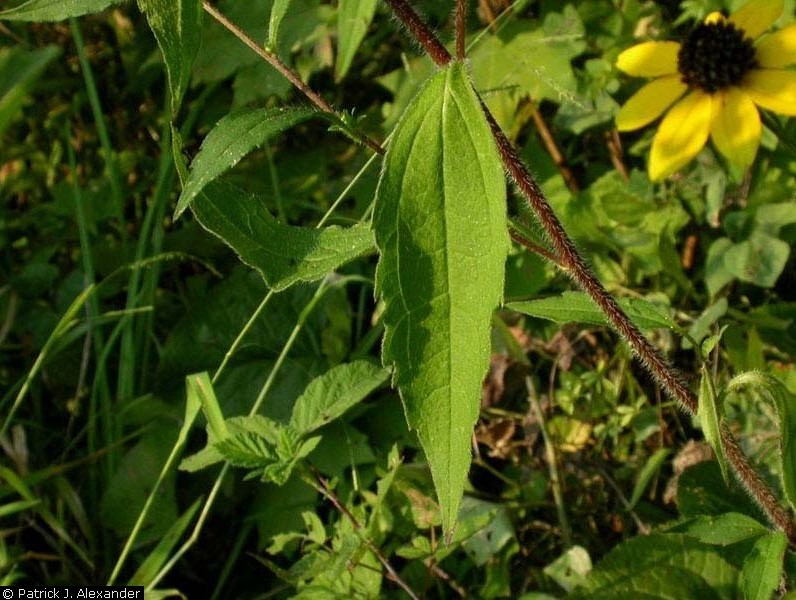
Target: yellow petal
(778, 49)
(736, 127)
(681, 135)
(714, 17)
(756, 16)
(650, 59)
(773, 89)
(649, 102)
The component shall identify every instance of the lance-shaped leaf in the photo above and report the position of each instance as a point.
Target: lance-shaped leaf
(711, 414)
(282, 254)
(54, 10)
(440, 227)
(231, 139)
(177, 25)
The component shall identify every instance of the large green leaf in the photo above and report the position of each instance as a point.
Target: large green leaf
(440, 227)
(54, 10)
(282, 254)
(231, 139)
(177, 25)
(330, 395)
(353, 19)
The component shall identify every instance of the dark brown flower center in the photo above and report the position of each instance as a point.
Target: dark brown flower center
(715, 56)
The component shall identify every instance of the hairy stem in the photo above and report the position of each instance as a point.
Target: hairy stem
(461, 28)
(669, 378)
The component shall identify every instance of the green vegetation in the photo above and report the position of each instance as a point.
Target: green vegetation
(336, 299)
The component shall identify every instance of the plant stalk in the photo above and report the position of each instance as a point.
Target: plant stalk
(669, 378)
(273, 60)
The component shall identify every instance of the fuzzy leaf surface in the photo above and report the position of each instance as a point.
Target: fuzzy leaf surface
(281, 253)
(177, 25)
(231, 139)
(577, 307)
(440, 228)
(331, 394)
(762, 569)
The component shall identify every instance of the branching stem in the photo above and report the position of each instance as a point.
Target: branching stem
(669, 378)
(273, 60)
(322, 486)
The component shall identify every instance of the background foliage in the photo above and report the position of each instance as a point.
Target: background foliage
(586, 481)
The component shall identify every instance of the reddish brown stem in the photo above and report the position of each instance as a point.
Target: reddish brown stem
(669, 378)
(461, 28)
(533, 247)
(433, 47)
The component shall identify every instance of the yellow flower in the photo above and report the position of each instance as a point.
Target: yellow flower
(718, 77)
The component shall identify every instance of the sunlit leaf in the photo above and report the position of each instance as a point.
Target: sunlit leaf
(762, 569)
(282, 254)
(440, 227)
(330, 395)
(578, 307)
